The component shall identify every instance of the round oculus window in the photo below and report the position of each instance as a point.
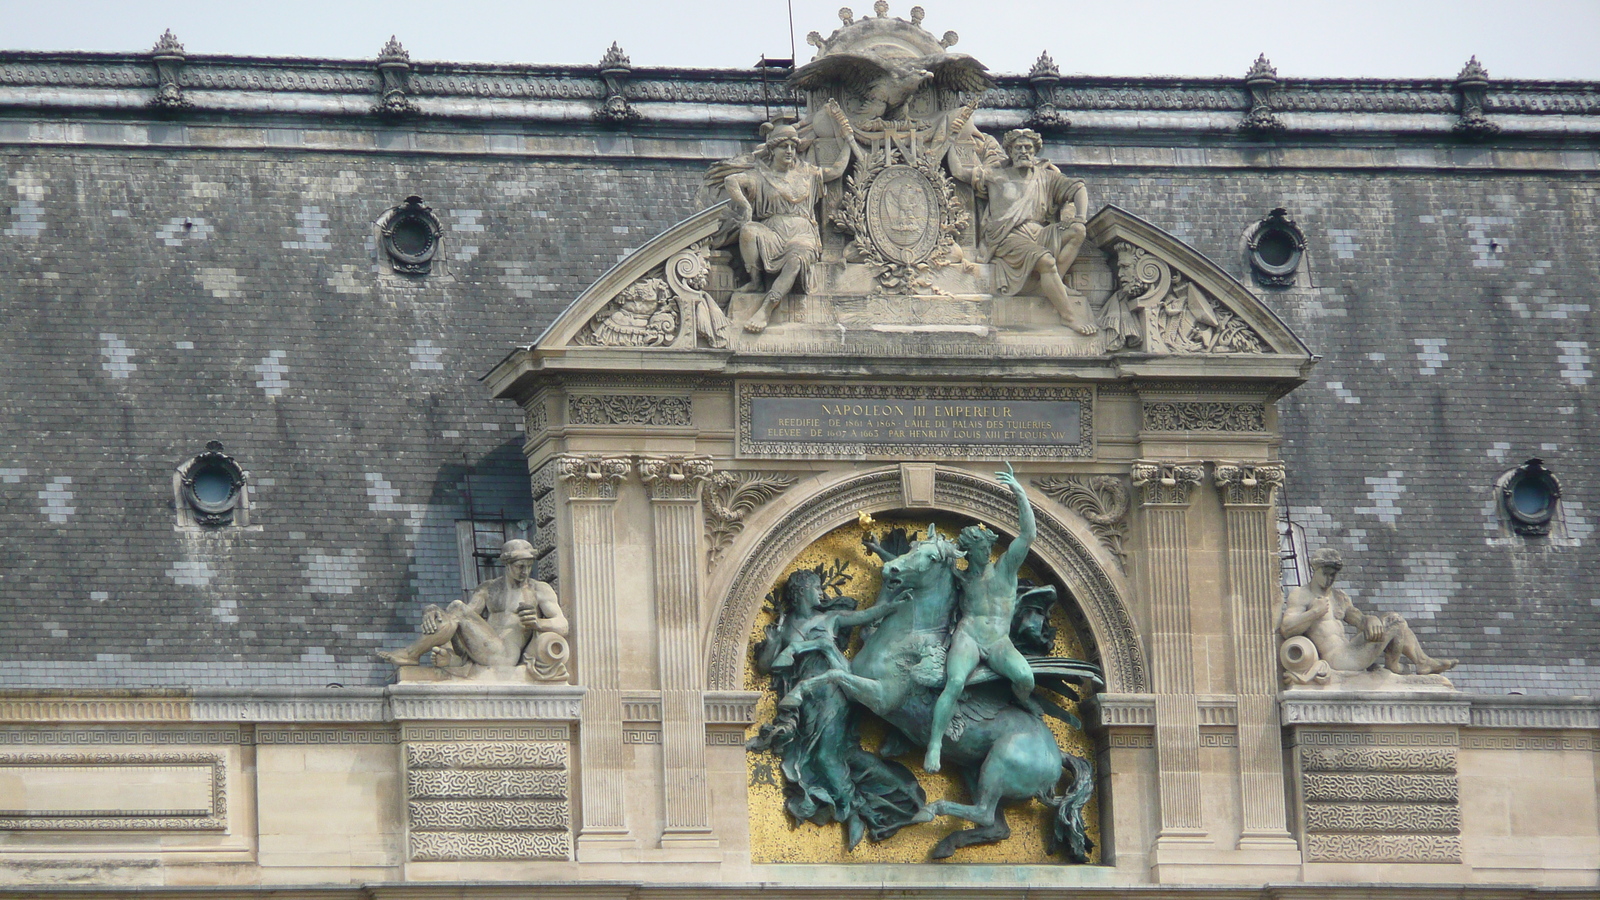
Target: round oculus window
(1276, 249)
(213, 486)
(1528, 495)
(412, 236)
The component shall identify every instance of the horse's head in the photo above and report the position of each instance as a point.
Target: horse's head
(930, 563)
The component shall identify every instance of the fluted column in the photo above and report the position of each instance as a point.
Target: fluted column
(1248, 495)
(589, 486)
(1167, 488)
(674, 483)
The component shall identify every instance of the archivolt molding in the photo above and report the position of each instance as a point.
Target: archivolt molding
(1102, 598)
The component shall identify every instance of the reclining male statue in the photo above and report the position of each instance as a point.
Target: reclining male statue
(1319, 612)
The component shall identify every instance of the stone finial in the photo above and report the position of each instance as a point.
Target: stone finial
(949, 39)
(167, 45)
(615, 58)
(1261, 70)
(881, 8)
(815, 40)
(392, 52)
(615, 68)
(1044, 67)
(1471, 73)
(1259, 83)
(394, 73)
(917, 13)
(1472, 89)
(846, 16)
(169, 58)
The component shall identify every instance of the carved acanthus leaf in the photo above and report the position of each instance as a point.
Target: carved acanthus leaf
(628, 409)
(730, 496)
(1167, 483)
(591, 476)
(674, 477)
(1252, 484)
(1102, 500)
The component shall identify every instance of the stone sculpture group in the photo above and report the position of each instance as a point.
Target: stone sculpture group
(951, 665)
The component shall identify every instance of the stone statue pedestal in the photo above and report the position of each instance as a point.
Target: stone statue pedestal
(471, 673)
(1377, 680)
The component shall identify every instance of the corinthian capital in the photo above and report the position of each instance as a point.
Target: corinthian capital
(592, 476)
(1166, 483)
(1249, 483)
(674, 477)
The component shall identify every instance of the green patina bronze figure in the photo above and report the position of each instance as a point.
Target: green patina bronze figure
(942, 666)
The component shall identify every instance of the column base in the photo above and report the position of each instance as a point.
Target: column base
(607, 845)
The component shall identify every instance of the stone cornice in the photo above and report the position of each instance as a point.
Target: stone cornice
(441, 90)
(480, 701)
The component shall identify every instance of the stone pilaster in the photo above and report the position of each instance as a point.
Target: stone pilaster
(674, 484)
(1166, 489)
(1248, 496)
(589, 488)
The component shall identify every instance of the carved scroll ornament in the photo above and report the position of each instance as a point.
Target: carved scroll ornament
(1102, 500)
(674, 477)
(592, 477)
(668, 307)
(1161, 310)
(730, 496)
(1252, 484)
(1166, 483)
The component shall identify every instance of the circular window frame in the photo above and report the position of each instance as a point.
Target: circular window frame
(411, 211)
(1532, 472)
(1277, 223)
(212, 514)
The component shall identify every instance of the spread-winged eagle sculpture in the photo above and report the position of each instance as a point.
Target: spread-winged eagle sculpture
(887, 84)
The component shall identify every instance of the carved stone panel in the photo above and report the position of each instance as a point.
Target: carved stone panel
(491, 799)
(1379, 797)
(1102, 500)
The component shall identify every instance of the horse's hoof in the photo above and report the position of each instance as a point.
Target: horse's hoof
(942, 850)
(923, 815)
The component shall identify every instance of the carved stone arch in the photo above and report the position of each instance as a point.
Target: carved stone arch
(1100, 596)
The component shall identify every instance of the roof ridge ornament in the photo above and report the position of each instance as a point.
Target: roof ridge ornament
(1044, 77)
(394, 73)
(615, 70)
(1259, 84)
(1472, 91)
(169, 58)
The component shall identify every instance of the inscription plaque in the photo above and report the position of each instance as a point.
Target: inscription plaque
(900, 421)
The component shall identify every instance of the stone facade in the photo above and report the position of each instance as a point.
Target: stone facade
(201, 249)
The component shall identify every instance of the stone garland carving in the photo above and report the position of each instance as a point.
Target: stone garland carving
(592, 477)
(1472, 86)
(1166, 483)
(1260, 83)
(1252, 484)
(615, 69)
(1102, 500)
(628, 409)
(729, 497)
(394, 71)
(668, 307)
(1204, 416)
(214, 819)
(1156, 305)
(674, 477)
(169, 57)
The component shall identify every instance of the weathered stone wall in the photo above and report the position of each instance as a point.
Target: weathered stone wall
(1453, 309)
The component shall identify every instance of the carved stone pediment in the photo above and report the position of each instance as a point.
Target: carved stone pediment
(1170, 300)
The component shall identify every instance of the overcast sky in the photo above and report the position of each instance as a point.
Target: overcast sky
(1554, 39)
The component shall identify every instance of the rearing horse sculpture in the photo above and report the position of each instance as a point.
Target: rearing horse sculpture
(1004, 752)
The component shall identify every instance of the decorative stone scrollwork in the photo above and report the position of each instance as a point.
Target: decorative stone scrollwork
(169, 57)
(1166, 483)
(1158, 309)
(615, 69)
(668, 307)
(1472, 88)
(591, 476)
(674, 477)
(628, 409)
(1102, 500)
(1204, 416)
(1260, 83)
(1251, 484)
(730, 496)
(394, 73)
